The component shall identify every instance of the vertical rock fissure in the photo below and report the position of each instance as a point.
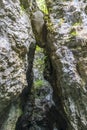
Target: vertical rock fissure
(27, 100)
(60, 119)
(42, 92)
(38, 107)
(37, 103)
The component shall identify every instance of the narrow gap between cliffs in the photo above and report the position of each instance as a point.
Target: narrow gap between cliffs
(39, 110)
(42, 94)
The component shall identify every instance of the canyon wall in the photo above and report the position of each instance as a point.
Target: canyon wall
(64, 40)
(16, 37)
(67, 44)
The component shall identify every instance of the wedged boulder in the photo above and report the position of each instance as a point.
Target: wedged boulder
(67, 45)
(15, 39)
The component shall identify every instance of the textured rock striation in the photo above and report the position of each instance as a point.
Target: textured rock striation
(66, 69)
(15, 39)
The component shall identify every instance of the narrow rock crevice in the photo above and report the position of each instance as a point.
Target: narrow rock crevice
(41, 100)
(60, 119)
(42, 93)
(27, 100)
(43, 65)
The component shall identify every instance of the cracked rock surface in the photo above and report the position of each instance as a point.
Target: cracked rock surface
(15, 38)
(67, 44)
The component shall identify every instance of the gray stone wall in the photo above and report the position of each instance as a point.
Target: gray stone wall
(15, 38)
(67, 44)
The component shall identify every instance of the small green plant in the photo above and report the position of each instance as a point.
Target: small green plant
(76, 24)
(38, 49)
(50, 26)
(38, 83)
(42, 6)
(73, 32)
(22, 10)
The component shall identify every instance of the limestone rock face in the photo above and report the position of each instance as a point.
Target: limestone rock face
(67, 44)
(15, 38)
